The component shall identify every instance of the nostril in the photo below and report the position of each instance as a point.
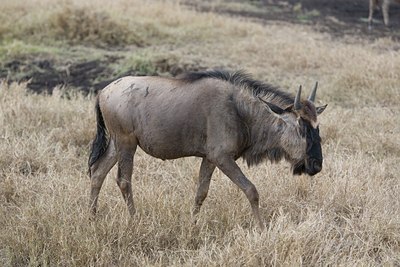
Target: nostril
(317, 166)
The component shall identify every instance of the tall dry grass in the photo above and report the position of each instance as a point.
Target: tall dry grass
(347, 215)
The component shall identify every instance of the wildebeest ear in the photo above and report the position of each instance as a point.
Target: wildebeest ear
(321, 109)
(272, 107)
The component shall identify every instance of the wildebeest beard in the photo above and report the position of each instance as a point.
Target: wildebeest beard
(312, 163)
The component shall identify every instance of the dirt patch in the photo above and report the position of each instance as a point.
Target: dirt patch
(337, 17)
(43, 75)
(343, 17)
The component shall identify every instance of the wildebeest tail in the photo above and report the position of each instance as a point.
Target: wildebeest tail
(101, 141)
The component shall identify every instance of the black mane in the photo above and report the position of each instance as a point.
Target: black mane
(243, 79)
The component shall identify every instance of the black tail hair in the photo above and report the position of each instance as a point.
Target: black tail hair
(101, 141)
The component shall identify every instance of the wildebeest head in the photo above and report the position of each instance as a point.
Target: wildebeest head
(300, 133)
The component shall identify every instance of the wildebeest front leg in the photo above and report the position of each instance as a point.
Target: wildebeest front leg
(206, 170)
(124, 176)
(229, 167)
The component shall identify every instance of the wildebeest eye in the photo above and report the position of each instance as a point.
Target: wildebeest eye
(302, 127)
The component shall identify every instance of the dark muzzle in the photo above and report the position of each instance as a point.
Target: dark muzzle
(313, 167)
(313, 162)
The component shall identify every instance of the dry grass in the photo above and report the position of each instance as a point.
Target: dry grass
(347, 215)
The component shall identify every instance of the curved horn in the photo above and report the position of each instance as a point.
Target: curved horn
(313, 93)
(297, 104)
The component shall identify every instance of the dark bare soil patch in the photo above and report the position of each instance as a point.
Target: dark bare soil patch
(337, 17)
(343, 17)
(42, 74)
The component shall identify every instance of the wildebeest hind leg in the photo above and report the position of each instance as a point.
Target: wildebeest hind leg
(124, 176)
(206, 171)
(229, 167)
(98, 172)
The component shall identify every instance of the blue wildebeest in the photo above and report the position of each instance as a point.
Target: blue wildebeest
(216, 115)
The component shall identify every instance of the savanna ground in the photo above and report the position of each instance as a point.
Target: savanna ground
(347, 215)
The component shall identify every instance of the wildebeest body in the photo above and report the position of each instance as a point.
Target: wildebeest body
(218, 116)
(170, 129)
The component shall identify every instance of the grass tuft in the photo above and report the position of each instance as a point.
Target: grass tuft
(81, 25)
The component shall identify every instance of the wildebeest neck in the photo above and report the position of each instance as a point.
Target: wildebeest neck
(262, 130)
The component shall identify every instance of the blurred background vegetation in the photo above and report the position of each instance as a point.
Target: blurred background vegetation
(86, 44)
